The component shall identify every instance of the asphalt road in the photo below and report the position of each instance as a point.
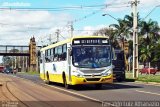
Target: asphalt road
(124, 91)
(17, 92)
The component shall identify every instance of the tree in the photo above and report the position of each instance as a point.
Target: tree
(148, 36)
(7, 60)
(110, 33)
(149, 31)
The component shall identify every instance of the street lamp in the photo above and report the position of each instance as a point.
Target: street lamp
(110, 16)
(123, 37)
(135, 37)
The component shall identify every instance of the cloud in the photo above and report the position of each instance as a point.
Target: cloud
(89, 30)
(19, 26)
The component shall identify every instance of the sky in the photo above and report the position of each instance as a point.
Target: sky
(17, 26)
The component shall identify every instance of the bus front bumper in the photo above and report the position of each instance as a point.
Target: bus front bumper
(91, 80)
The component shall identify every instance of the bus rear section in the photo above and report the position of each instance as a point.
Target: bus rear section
(119, 66)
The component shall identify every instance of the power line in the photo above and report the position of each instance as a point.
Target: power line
(89, 15)
(150, 12)
(67, 8)
(51, 8)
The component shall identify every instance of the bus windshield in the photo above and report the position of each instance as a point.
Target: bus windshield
(91, 56)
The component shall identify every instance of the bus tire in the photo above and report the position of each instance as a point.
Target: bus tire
(67, 86)
(119, 79)
(47, 81)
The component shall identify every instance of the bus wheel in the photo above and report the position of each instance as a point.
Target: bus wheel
(98, 86)
(47, 81)
(119, 79)
(67, 86)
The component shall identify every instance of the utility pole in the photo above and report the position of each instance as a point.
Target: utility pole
(57, 34)
(23, 63)
(15, 64)
(26, 63)
(135, 40)
(50, 39)
(71, 28)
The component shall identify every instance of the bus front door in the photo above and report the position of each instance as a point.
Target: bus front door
(69, 64)
(43, 65)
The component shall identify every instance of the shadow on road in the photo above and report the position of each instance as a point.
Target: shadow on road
(114, 86)
(105, 87)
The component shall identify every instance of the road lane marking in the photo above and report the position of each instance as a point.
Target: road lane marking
(148, 92)
(81, 95)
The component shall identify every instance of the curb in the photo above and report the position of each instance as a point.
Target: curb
(149, 83)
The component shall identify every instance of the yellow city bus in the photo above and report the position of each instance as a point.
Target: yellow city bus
(78, 60)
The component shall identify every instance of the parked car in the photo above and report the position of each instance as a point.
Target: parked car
(146, 70)
(1, 69)
(8, 70)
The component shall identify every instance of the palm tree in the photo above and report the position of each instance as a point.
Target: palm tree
(157, 51)
(146, 53)
(149, 30)
(121, 28)
(129, 20)
(122, 31)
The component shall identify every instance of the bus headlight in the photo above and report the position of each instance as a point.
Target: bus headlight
(108, 72)
(79, 74)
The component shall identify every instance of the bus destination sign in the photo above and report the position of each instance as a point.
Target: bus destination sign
(90, 41)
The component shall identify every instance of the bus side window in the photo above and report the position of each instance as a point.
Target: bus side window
(49, 55)
(64, 55)
(59, 53)
(52, 55)
(46, 55)
(41, 56)
(56, 54)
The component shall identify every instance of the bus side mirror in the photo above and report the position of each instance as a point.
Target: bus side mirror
(40, 60)
(114, 58)
(113, 66)
(38, 53)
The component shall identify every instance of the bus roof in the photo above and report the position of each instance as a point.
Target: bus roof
(69, 40)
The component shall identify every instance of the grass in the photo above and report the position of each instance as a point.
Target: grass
(149, 78)
(144, 78)
(31, 73)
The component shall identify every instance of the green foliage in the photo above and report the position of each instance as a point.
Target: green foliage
(7, 60)
(143, 78)
(30, 73)
(149, 78)
(148, 37)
